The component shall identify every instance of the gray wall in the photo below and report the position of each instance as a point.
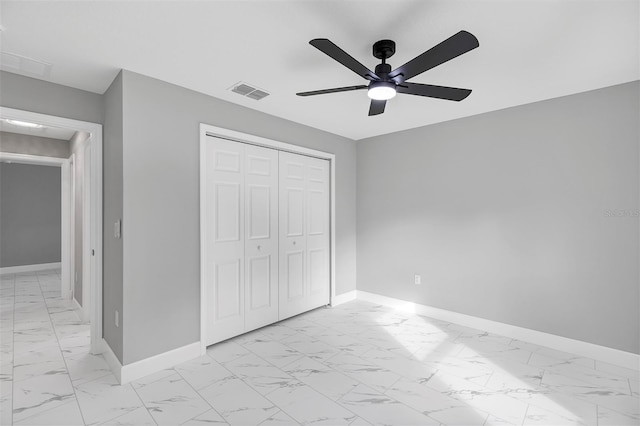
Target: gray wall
(151, 180)
(34, 145)
(77, 144)
(112, 194)
(30, 214)
(34, 95)
(161, 205)
(508, 216)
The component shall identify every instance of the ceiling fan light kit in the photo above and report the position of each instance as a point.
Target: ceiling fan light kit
(381, 90)
(385, 83)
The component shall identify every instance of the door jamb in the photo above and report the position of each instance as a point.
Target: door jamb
(86, 236)
(208, 130)
(95, 132)
(72, 230)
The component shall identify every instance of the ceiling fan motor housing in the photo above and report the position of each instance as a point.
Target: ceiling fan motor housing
(383, 69)
(384, 49)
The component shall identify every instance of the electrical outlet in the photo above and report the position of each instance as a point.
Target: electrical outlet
(417, 279)
(117, 319)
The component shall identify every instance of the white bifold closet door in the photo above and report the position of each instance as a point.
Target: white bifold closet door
(304, 234)
(267, 236)
(242, 238)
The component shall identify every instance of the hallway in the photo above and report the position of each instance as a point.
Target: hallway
(45, 351)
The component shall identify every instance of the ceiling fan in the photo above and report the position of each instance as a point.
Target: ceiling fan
(385, 83)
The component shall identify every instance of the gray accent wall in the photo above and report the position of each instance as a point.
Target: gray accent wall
(161, 231)
(527, 216)
(30, 214)
(30, 94)
(34, 145)
(112, 298)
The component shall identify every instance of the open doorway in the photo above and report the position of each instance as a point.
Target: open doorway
(81, 208)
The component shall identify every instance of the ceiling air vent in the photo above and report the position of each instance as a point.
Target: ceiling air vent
(21, 64)
(249, 91)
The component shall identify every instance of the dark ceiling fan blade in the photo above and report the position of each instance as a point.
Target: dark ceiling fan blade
(440, 92)
(329, 48)
(337, 89)
(452, 47)
(376, 107)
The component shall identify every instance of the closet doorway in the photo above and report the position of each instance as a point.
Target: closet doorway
(267, 232)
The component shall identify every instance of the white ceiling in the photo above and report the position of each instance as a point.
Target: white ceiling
(529, 51)
(43, 132)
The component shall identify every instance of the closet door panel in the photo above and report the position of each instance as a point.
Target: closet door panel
(259, 283)
(225, 240)
(261, 242)
(318, 232)
(293, 286)
(227, 287)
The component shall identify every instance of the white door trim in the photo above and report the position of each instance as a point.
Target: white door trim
(95, 132)
(72, 230)
(208, 130)
(86, 234)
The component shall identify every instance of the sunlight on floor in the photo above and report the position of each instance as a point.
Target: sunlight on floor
(497, 375)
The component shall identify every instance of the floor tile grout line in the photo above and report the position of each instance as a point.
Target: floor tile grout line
(143, 404)
(529, 359)
(75, 395)
(232, 374)
(315, 390)
(408, 406)
(393, 399)
(198, 393)
(153, 381)
(281, 411)
(524, 419)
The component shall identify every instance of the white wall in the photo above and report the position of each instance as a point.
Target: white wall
(507, 216)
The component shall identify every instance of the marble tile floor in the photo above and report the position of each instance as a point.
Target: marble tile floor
(356, 364)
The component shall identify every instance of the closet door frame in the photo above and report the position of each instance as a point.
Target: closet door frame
(207, 131)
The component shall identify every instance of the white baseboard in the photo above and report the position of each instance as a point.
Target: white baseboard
(29, 268)
(84, 317)
(112, 360)
(601, 353)
(139, 369)
(339, 299)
